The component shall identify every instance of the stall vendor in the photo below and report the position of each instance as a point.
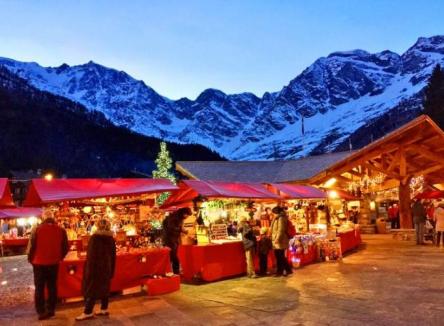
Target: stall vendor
(172, 230)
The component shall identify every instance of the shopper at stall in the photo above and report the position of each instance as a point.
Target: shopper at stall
(249, 242)
(172, 230)
(98, 270)
(48, 245)
(439, 220)
(264, 247)
(266, 218)
(279, 238)
(419, 218)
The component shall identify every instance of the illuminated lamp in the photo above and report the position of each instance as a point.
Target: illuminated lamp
(21, 222)
(332, 194)
(48, 176)
(87, 209)
(32, 220)
(372, 205)
(330, 182)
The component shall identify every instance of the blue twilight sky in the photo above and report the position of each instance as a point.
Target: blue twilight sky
(182, 47)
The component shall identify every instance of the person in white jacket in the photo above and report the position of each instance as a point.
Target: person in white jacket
(439, 218)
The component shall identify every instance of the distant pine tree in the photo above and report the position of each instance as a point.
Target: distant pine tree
(434, 96)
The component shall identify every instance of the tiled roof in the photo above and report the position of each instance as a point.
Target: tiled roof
(259, 171)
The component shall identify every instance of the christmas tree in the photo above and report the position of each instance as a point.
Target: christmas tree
(434, 96)
(164, 165)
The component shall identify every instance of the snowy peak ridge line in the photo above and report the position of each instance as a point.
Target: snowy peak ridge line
(337, 96)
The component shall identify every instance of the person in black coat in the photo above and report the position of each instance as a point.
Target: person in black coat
(99, 270)
(172, 229)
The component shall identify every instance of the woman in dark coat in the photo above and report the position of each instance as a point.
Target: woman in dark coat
(98, 270)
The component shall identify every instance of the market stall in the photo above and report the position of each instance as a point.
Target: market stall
(132, 268)
(307, 210)
(220, 206)
(16, 224)
(129, 205)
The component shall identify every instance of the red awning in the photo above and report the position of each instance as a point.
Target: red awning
(20, 212)
(293, 191)
(430, 194)
(42, 191)
(5, 194)
(190, 189)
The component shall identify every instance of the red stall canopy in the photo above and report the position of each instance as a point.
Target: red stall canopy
(430, 194)
(293, 191)
(20, 212)
(42, 191)
(190, 189)
(5, 194)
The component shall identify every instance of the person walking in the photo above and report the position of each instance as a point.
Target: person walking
(439, 220)
(279, 239)
(99, 270)
(249, 242)
(419, 218)
(47, 247)
(172, 230)
(265, 246)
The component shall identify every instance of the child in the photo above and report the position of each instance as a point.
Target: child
(265, 246)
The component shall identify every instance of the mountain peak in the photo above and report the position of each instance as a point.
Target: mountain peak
(351, 53)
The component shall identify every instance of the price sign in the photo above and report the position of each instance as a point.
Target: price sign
(218, 231)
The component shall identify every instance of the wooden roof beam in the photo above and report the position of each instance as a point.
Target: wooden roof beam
(427, 153)
(377, 168)
(429, 170)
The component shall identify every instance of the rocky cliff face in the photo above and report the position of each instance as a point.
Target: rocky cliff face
(331, 100)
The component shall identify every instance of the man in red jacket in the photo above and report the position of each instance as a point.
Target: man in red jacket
(47, 247)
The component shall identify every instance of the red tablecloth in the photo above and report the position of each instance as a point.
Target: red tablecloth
(218, 261)
(213, 261)
(130, 271)
(350, 240)
(21, 242)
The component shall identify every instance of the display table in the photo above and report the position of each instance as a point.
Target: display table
(17, 242)
(350, 240)
(213, 261)
(131, 269)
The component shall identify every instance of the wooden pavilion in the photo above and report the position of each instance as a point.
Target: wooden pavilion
(414, 150)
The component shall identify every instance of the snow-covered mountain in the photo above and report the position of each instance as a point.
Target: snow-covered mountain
(331, 100)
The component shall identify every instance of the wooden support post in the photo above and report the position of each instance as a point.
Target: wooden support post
(405, 212)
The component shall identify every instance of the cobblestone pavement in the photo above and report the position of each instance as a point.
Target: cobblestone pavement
(386, 282)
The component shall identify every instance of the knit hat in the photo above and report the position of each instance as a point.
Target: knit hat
(277, 210)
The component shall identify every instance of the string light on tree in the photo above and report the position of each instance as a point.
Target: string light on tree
(164, 165)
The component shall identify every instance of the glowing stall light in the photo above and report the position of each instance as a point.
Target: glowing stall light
(48, 177)
(87, 209)
(32, 220)
(372, 205)
(21, 221)
(333, 194)
(330, 182)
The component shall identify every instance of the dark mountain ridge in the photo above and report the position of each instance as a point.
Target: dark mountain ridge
(39, 130)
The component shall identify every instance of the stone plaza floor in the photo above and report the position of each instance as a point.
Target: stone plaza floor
(385, 282)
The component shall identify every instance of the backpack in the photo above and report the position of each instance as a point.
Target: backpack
(291, 230)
